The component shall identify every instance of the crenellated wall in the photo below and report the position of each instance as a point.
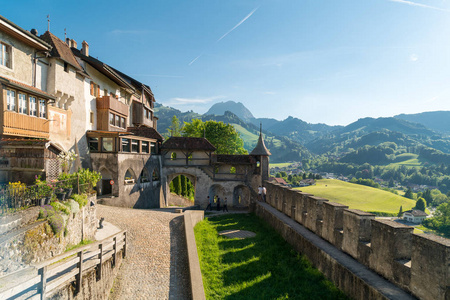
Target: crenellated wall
(416, 263)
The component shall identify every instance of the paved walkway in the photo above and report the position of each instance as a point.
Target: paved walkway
(156, 266)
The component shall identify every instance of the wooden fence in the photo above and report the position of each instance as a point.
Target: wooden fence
(42, 279)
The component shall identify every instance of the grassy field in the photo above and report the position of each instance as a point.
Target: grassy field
(407, 159)
(262, 267)
(359, 196)
(279, 165)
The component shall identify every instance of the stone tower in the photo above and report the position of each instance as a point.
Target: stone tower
(261, 155)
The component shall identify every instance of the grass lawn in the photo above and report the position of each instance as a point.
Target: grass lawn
(279, 165)
(408, 160)
(262, 267)
(359, 196)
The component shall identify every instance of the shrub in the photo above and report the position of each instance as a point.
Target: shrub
(58, 206)
(57, 223)
(72, 205)
(46, 211)
(81, 199)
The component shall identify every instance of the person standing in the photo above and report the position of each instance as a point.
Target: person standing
(225, 204)
(260, 190)
(218, 203)
(264, 191)
(209, 204)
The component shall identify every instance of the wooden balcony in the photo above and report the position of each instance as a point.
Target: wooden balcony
(26, 126)
(112, 104)
(139, 115)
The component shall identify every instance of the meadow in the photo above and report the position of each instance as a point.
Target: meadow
(359, 196)
(261, 267)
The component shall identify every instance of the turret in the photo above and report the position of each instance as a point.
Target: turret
(261, 155)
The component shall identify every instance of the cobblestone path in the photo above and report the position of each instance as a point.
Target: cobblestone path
(156, 266)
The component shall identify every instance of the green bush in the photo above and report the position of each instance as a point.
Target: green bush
(57, 223)
(80, 199)
(58, 206)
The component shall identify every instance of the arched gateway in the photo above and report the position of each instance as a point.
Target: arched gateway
(235, 177)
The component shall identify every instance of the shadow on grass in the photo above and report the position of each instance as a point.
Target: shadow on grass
(262, 267)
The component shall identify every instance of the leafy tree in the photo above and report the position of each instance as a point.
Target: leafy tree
(409, 194)
(421, 204)
(174, 129)
(400, 212)
(441, 219)
(391, 182)
(223, 136)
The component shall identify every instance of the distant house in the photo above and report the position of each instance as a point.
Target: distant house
(307, 182)
(279, 180)
(414, 216)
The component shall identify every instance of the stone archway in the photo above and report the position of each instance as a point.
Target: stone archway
(241, 196)
(216, 190)
(184, 181)
(105, 188)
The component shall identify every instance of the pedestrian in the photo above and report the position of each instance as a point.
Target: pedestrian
(260, 190)
(225, 204)
(209, 204)
(218, 203)
(264, 192)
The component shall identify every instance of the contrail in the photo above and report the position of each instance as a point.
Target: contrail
(195, 59)
(419, 5)
(238, 24)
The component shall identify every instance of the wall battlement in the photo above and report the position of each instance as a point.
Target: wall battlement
(416, 263)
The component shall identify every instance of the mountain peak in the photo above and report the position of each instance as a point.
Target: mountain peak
(236, 108)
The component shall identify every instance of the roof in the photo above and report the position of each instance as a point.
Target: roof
(260, 148)
(234, 159)
(22, 34)
(104, 69)
(188, 143)
(148, 132)
(61, 50)
(23, 142)
(417, 213)
(138, 85)
(279, 180)
(23, 86)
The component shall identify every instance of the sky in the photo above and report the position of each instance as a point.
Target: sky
(330, 61)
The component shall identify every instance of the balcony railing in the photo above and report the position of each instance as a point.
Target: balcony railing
(111, 103)
(23, 125)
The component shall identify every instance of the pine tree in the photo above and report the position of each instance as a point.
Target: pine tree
(409, 194)
(183, 185)
(400, 212)
(421, 204)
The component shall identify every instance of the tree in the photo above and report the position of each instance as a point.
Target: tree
(391, 182)
(174, 129)
(400, 212)
(409, 194)
(223, 136)
(421, 204)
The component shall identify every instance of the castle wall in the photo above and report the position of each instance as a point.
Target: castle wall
(416, 263)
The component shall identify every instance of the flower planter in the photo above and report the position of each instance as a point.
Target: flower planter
(129, 181)
(61, 196)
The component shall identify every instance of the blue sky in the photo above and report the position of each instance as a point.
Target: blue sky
(321, 61)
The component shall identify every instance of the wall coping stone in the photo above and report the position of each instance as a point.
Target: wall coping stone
(433, 238)
(318, 198)
(337, 205)
(389, 223)
(359, 213)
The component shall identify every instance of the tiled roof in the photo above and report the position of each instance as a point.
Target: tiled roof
(138, 85)
(188, 143)
(27, 87)
(147, 132)
(23, 141)
(417, 213)
(61, 50)
(260, 148)
(5, 23)
(279, 180)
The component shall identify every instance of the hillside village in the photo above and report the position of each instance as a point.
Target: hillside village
(84, 160)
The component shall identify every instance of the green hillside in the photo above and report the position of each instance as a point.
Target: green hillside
(406, 159)
(359, 196)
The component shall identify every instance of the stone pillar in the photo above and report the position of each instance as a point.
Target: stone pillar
(430, 267)
(357, 233)
(391, 244)
(313, 219)
(332, 228)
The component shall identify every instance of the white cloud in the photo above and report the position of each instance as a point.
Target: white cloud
(419, 5)
(269, 93)
(413, 57)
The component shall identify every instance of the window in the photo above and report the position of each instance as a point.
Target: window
(107, 144)
(111, 118)
(145, 147)
(95, 89)
(66, 67)
(92, 88)
(173, 156)
(5, 55)
(134, 146)
(33, 108)
(129, 176)
(23, 109)
(144, 176)
(11, 100)
(42, 109)
(153, 148)
(105, 92)
(123, 122)
(117, 122)
(91, 117)
(93, 144)
(126, 145)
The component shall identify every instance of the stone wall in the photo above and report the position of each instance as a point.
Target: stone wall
(36, 242)
(416, 263)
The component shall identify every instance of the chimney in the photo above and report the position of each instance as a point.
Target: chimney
(68, 41)
(34, 32)
(73, 43)
(85, 48)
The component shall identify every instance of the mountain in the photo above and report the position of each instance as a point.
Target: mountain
(236, 108)
(166, 113)
(435, 120)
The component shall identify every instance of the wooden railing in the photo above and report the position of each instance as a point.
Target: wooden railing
(46, 276)
(108, 102)
(23, 125)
